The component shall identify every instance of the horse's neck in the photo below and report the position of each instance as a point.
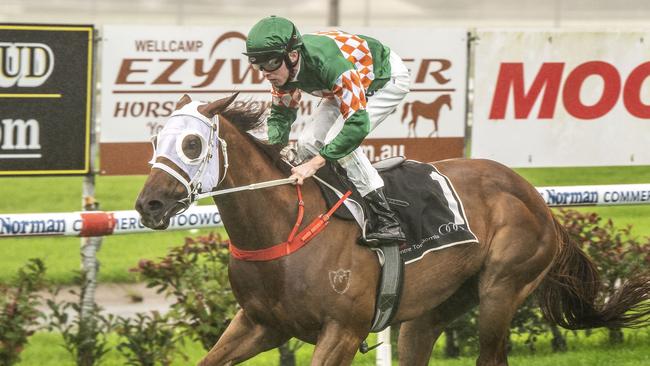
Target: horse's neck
(258, 218)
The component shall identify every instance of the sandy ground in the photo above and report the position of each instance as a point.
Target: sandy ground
(123, 300)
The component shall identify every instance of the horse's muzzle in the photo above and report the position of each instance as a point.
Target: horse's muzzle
(154, 214)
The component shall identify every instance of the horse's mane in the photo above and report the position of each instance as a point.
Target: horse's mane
(245, 119)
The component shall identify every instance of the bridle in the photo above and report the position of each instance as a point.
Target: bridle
(193, 187)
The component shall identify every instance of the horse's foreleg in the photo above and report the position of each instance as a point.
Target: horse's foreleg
(242, 340)
(412, 127)
(336, 346)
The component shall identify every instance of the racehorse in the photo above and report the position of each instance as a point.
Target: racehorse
(426, 110)
(521, 247)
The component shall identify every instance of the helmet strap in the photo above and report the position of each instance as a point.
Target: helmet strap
(291, 66)
(292, 41)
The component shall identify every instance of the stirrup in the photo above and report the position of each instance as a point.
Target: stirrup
(363, 240)
(363, 348)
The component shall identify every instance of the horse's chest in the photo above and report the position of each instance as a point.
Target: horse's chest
(271, 298)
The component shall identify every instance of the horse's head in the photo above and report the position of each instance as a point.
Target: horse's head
(183, 161)
(446, 99)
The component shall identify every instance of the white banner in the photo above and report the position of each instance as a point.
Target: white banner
(145, 70)
(605, 195)
(550, 98)
(100, 223)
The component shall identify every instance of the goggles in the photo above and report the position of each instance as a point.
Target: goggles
(269, 65)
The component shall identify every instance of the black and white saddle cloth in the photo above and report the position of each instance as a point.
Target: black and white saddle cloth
(427, 206)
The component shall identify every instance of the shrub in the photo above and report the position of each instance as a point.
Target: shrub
(19, 312)
(147, 339)
(85, 335)
(196, 274)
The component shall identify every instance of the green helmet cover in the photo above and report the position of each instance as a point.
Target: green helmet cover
(272, 36)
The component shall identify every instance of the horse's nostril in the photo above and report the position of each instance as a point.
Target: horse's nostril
(154, 205)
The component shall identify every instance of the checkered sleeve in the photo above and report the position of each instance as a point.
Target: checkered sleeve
(350, 95)
(284, 111)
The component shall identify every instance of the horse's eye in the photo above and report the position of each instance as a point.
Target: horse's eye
(192, 146)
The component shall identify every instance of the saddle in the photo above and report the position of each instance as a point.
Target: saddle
(425, 202)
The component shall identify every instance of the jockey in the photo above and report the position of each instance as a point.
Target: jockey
(360, 80)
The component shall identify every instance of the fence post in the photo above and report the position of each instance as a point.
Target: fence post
(90, 245)
(384, 351)
(89, 248)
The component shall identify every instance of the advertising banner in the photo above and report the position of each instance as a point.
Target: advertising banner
(550, 98)
(145, 70)
(612, 195)
(45, 99)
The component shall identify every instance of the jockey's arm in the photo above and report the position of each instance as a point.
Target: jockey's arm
(284, 111)
(354, 130)
(350, 96)
(279, 124)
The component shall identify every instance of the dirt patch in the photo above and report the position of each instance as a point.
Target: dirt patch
(119, 299)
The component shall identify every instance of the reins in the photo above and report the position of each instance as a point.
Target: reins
(250, 187)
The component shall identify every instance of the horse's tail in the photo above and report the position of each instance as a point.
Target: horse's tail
(571, 294)
(405, 110)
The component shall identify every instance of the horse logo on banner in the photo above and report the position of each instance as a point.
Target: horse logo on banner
(426, 110)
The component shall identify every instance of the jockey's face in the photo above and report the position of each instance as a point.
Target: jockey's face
(280, 76)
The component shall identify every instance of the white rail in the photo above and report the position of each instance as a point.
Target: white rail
(99, 223)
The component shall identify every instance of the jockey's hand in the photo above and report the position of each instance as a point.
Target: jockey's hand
(306, 170)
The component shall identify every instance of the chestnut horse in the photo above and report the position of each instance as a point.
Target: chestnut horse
(522, 247)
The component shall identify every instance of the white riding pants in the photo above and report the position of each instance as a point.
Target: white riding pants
(326, 123)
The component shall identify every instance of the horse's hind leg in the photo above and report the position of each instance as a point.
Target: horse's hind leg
(516, 264)
(336, 345)
(416, 339)
(418, 336)
(242, 340)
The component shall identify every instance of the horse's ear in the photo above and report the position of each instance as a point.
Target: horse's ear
(185, 99)
(217, 106)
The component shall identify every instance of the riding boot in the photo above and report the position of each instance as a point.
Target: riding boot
(386, 228)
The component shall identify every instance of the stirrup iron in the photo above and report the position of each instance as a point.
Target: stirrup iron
(363, 348)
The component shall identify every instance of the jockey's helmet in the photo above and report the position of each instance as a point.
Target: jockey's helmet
(270, 41)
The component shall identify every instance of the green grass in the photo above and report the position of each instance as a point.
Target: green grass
(119, 253)
(44, 350)
(586, 175)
